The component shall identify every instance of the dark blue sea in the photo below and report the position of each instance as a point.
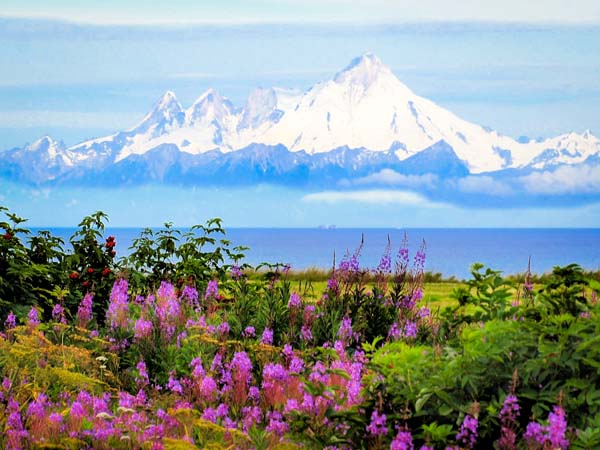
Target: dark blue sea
(449, 251)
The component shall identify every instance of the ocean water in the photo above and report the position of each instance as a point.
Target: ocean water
(449, 251)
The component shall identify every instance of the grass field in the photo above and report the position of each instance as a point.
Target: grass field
(434, 294)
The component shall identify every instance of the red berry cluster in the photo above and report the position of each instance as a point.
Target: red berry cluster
(110, 244)
(7, 236)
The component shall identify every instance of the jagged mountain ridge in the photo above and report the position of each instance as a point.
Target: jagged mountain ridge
(363, 109)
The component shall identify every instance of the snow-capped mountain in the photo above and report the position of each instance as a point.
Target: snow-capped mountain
(360, 121)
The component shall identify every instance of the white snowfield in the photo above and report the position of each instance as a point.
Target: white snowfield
(363, 106)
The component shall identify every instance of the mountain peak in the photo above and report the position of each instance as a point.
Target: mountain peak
(44, 143)
(363, 70)
(165, 111)
(209, 106)
(167, 99)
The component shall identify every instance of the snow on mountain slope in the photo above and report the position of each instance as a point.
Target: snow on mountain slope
(43, 159)
(571, 148)
(364, 106)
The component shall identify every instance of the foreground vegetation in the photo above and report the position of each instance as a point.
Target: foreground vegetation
(180, 345)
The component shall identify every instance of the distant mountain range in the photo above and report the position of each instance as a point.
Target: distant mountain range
(361, 127)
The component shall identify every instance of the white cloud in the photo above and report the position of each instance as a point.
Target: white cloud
(301, 11)
(564, 180)
(393, 178)
(375, 196)
(483, 185)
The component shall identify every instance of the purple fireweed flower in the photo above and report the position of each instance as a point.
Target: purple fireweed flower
(410, 330)
(309, 312)
(208, 388)
(385, 264)
(166, 290)
(217, 363)
(287, 351)
(241, 367)
(319, 373)
(33, 319)
(510, 409)
(333, 285)
(212, 290)
(417, 295)
(55, 418)
(345, 332)
(534, 433)
(251, 415)
(354, 265)
(508, 417)
(394, 332)
(142, 378)
(377, 426)
(58, 314)
(6, 384)
(294, 302)
(354, 386)
(274, 374)
(276, 423)
(85, 398)
(142, 329)
(190, 294)
(77, 411)
(181, 337)
(236, 272)
(174, 385)
(222, 410)
(254, 394)
(296, 365)
(402, 441)
(210, 414)
(291, 406)
(117, 314)
(306, 333)
(223, 329)
(267, 337)
(557, 428)
(424, 312)
(37, 408)
(553, 434)
(15, 432)
(197, 368)
(84, 311)
(468, 431)
(419, 263)
(340, 349)
(10, 322)
(249, 332)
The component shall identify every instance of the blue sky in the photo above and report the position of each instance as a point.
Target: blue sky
(77, 70)
(76, 81)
